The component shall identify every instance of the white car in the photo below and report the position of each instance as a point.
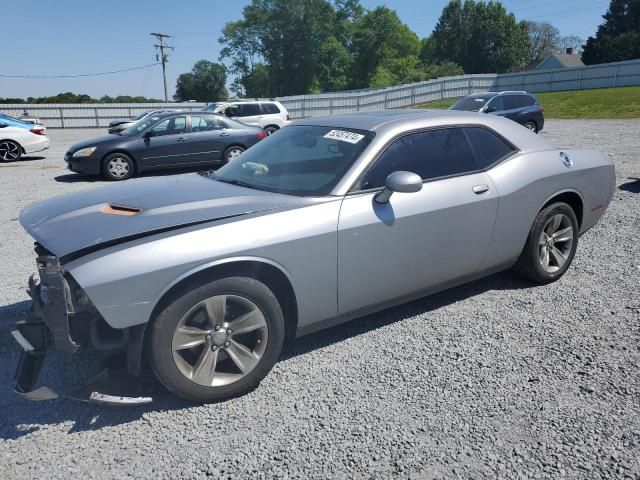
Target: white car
(269, 115)
(16, 141)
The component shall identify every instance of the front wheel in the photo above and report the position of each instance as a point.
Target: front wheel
(551, 244)
(117, 166)
(270, 130)
(218, 340)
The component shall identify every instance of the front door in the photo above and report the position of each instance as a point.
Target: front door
(421, 239)
(168, 145)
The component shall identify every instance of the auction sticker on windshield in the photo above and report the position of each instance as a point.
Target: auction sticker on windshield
(344, 136)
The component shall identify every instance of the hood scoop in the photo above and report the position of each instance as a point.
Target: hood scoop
(111, 209)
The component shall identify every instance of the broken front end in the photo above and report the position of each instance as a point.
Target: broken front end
(63, 317)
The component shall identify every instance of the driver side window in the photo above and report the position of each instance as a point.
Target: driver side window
(170, 126)
(431, 154)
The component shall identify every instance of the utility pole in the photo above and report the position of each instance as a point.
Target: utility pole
(163, 57)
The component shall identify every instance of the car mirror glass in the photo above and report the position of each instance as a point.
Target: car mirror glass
(149, 134)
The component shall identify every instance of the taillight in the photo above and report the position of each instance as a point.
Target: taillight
(541, 108)
(261, 135)
(39, 131)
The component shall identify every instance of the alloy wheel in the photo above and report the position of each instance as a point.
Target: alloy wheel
(234, 153)
(118, 167)
(555, 243)
(9, 151)
(220, 340)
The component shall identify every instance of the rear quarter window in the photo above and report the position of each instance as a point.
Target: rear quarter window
(270, 108)
(488, 147)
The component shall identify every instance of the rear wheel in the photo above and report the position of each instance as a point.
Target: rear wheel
(233, 152)
(531, 125)
(218, 340)
(551, 244)
(117, 166)
(10, 151)
(270, 129)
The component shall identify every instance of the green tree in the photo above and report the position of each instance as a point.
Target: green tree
(544, 39)
(205, 83)
(385, 50)
(618, 38)
(480, 37)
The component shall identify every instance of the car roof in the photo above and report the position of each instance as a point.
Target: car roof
(397, 121)
(377, 120)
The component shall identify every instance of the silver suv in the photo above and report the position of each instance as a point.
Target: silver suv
(269, 115)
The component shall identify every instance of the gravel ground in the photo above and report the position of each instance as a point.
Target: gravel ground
(493, 379)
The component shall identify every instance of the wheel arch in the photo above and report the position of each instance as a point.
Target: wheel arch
(571, 198)
(272, 274)
(277, 127)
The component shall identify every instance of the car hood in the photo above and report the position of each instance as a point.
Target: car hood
(93, 142)
(78, 223)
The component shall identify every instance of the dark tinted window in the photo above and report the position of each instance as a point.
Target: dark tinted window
(248, 109)
(488, 147)
(170, 126)
(512, 101)
(431, 154)
(471, 103)
(497, 103)
(270, 108)
(527, 101)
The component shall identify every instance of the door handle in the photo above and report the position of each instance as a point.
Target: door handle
(182, 139)
(225, 134)
(480, 189)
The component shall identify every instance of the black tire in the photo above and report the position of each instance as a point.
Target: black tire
(117, 167)
(165, 324)
(531, 125)
(271, 129)
(10, 151)
(530, 264)
(232, 151)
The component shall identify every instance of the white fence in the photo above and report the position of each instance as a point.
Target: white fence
(618, 74)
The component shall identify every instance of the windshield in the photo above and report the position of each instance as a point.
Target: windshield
(470, 104)
(297, 160)
(13, 119)
(140, 115)
(211, 107)
(140, 125)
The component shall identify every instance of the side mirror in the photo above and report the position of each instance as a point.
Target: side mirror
(149, 134)
(489, 109)
(403, 182)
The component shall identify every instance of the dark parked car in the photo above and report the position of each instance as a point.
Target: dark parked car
(162, 141)
(521, 107)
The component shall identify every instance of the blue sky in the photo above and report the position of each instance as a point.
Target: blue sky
(56, 37)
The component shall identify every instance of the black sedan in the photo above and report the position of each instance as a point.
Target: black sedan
(166, 140)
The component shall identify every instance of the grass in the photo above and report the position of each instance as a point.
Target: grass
(615, 103)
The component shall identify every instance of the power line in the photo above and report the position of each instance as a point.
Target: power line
(11, 75)
(163, 57)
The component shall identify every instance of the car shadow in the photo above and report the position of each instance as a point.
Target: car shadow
(21, 417)
(79, 177)
(633, 186)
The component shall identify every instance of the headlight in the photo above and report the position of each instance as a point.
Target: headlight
(84, 152)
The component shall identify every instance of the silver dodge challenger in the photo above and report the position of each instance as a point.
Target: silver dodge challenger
(201, 277)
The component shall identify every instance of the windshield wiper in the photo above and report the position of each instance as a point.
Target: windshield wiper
(239, 183)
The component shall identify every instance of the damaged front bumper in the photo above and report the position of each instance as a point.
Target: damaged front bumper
(48, 325)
